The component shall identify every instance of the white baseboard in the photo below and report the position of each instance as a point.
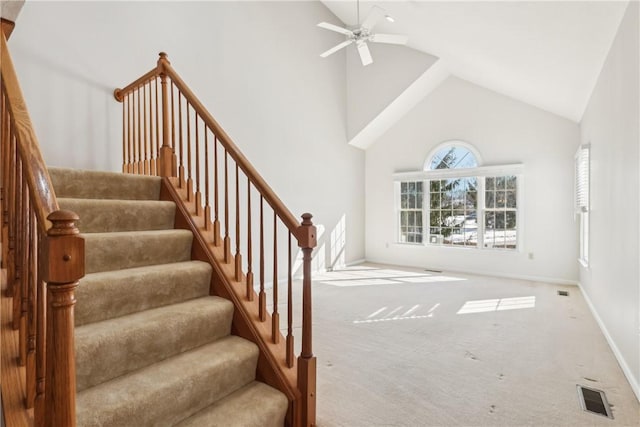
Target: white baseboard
(544, 279)
(355, 262)
(348, 264)
(633, 382)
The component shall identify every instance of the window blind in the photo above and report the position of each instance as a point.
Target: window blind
(582, 179)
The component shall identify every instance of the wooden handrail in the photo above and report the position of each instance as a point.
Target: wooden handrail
(182, 127)
(164, 66)
(265, 190)
(44, 199)
(7, 27)
(119, 94)
(39, 232)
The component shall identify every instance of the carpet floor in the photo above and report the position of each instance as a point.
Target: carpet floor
(407, 347)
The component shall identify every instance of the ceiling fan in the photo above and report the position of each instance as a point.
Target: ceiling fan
(363, 34)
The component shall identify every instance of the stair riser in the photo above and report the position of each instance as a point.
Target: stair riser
(111, 294)
(268, 409)
(107, 350)
(81, 184)
(102, 216)
(116, 251)
(165, 393)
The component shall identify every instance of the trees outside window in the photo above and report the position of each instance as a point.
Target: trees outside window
(411, 201)
(500, 212)
(465, 205)
(453, 211)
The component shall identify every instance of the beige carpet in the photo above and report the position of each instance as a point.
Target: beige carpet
(394, 348)
(153, 348)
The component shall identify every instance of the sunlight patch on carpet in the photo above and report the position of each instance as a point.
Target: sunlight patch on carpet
(399, 313)
(363, 276)
(497, 304)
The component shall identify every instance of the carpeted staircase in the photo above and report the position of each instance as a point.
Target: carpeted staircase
(153, 348)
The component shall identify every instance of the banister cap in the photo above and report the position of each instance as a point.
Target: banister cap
(63, 223)
(306, 219)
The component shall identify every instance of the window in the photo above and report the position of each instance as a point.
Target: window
(453, 157)
(453, 202)
(500, 212)
(411, 199)
(453, 211)
(582, 165)
(467, 205)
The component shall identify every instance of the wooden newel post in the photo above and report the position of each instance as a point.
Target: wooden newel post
(166, 157)
(307, 240)
(62, 266)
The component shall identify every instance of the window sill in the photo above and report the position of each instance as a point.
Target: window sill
(466, 248)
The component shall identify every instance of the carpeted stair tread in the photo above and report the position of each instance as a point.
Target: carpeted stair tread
(86, 184)
(116, 251)
(153, 348)
(108, 349)
(109, 215)
(171, 390)
(116, 293)
(268, 408)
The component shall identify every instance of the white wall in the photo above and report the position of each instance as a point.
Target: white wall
(371, 88)
(610, 124)
(504, 131)
(255, 65)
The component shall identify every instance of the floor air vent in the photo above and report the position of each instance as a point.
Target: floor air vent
(563, 293)
(594, 401)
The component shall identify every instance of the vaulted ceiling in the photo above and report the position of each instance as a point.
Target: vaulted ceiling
(545, 53)
(9, 9)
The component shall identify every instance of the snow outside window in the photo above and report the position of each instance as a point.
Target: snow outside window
(455, 202)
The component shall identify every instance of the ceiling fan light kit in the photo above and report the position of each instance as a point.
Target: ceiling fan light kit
(363, 34)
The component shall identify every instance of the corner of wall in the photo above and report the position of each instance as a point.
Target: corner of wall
(628, 373)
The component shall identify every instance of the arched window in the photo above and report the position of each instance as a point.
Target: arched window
(452, 155)
(455, 201)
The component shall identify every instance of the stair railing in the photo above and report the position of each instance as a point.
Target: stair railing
(168, 132)
(40, 245)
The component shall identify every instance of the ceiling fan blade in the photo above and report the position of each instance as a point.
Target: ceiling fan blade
(389, 38)
(375, 15)
(336, 48)
(335, 28)
(365, 55)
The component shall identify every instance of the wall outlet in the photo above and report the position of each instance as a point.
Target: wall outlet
(530, 255)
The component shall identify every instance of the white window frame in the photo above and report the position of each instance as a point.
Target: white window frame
(517, 210)
(480, 173)
(582, 190)
(398, 210)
